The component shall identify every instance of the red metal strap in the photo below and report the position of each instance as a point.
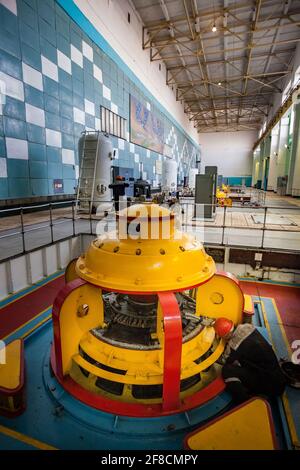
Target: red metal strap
(172, 350)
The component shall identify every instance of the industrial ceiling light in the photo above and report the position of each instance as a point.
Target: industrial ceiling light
(214, 28)
(219, 83)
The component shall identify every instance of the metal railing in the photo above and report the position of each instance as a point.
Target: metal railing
(58, 221)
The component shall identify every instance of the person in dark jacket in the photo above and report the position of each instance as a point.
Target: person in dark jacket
(250, 364)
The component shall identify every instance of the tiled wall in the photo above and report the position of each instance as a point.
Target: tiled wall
(53, 80)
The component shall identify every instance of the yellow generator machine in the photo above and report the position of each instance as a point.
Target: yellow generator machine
(128, 337)
(222, 196)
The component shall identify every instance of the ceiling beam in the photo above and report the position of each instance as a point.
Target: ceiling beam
(236, 58)
(221, 51)
(213, 13)
(183, 37)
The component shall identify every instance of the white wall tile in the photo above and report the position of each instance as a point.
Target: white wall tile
(121, 144)
(32, 77)
(106, 93)
(68, 156)
(87, 51)
(79, 116)
(148, 153)
(10, 5)
(148, 106)
(53, 138)
(35, 115)
(11, 87)
(136, 158)
(3, 168)
(89, 107)
(97, 124)
(76, 56)
(64, 62)
(77, 171)
(97, 73)
(16, 148)
(114, 108)
(131, 147)
(49, 69)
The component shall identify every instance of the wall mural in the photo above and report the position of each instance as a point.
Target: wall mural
(145, 128)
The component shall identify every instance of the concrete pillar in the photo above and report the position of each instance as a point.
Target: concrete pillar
(272, 180)
(294, 171)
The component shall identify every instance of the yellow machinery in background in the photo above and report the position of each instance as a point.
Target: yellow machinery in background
(222, 196)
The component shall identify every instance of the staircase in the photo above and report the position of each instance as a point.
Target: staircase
(87, 172)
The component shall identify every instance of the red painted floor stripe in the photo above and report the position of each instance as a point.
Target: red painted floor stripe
(14, 315)
(287, 301)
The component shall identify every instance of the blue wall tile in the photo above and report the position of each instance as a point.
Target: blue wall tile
(65, 95)
(52, 121)
(27, 14)
(14, 128)
(63, 29)
(3, 188)
(76, 39)
(47, 32)
(17, 168)
(55, 170)
(53, 154)
(68, 141)
(51, 104)
(36, 151)
(65, 78)
(90, 121)
(68, 171)
(48, 49)
(29, 36)
(66, 111)
(77, 72)
(8, 21)
(10, 64)
(38, 169)
(2, 147)
(31, 57)
(14, 108)
(69, 186)
(78, 101)
(10, 43)
(67, 125)
(51, 87)
(18, 187)
(39, 187)
(78, 87)
(47, 13)
(36, 134)
(34, 96)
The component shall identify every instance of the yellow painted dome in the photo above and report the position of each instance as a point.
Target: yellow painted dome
(146, 254)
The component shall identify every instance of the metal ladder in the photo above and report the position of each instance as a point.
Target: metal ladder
(87, 173)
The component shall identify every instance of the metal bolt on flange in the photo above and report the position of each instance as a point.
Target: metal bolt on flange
(82, 310)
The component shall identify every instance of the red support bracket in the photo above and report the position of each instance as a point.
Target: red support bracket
(172, 350)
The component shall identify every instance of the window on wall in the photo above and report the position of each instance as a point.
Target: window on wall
(297, 76)
(286, 91)
(112, 123)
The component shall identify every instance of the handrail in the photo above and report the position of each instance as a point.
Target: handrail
(187, 206)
